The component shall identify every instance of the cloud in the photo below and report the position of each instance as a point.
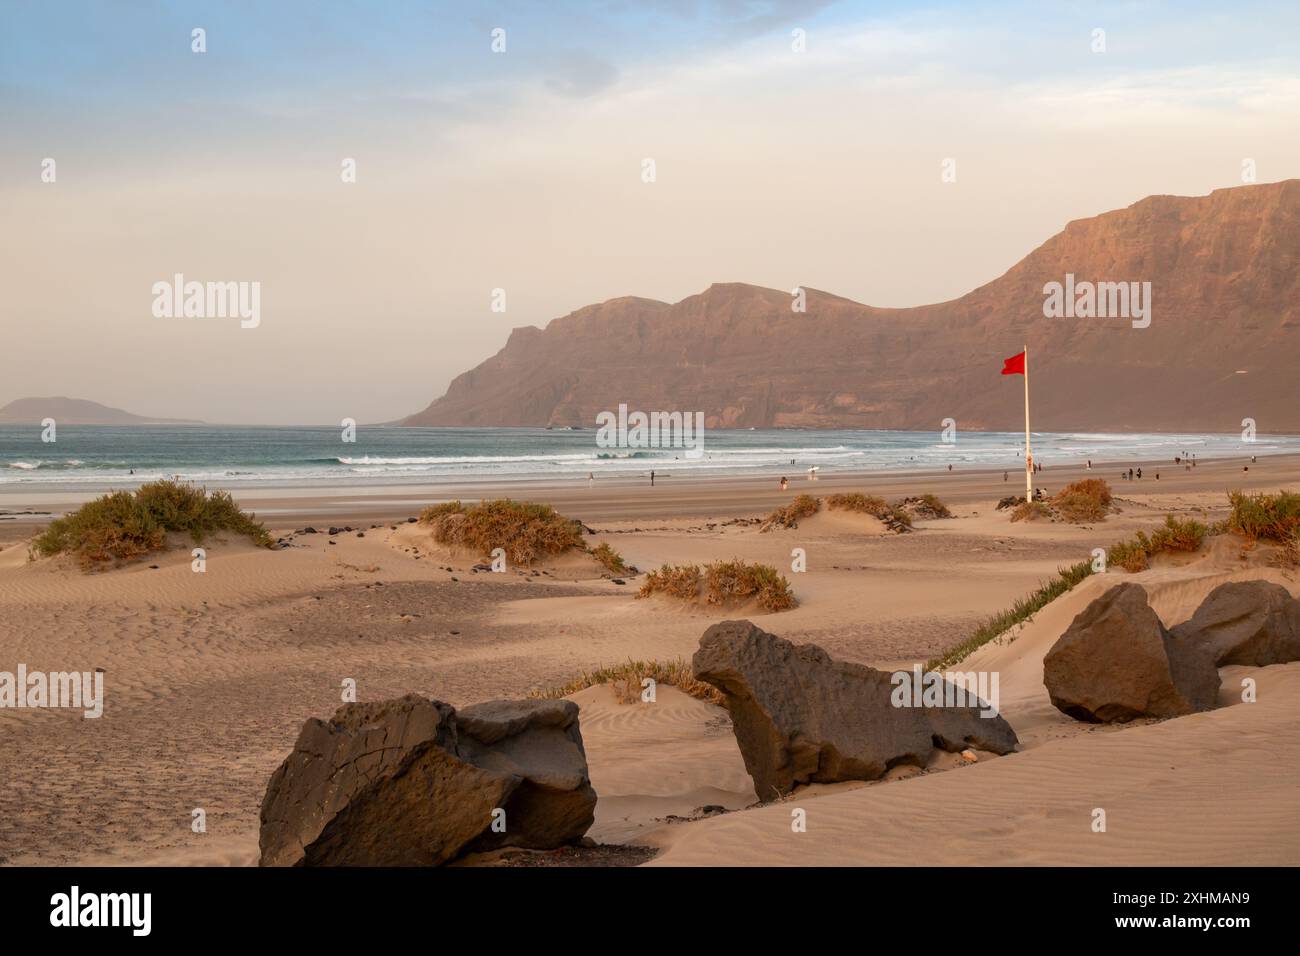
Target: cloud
(578, 73)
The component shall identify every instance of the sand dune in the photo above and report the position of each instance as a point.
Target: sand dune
(1214, 788)
(208, 678)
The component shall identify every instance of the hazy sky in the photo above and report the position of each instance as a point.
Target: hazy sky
(522, 170)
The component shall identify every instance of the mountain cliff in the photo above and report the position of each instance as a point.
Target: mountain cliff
(1223, 341)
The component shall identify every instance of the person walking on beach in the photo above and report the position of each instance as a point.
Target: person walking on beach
(652, 477)
(1139, 473)
(1130, 474)
(591, 479)
(784, 483)
(1004, 476)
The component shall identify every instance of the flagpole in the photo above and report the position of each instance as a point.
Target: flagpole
(1029, 457)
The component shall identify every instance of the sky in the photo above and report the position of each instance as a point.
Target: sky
(793, 144)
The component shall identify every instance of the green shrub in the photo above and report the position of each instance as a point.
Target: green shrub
(1271, 517)
(1177, 535)
(125, 525)
(525, 530)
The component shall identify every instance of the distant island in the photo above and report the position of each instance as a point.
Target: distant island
(77, 411)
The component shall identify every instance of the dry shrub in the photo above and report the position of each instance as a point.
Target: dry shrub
(1086, 500)
(894, 516)
(1031, 511)
(1129, 555)
(926, 506)
(681, 581)
(856, 501)
(736, 580)
(432, 513)
(126, 525)
(524, 529)
(724, 582)
(804, 506)
(609, 558)
(1288, 555)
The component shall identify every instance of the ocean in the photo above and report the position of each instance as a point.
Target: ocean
(86, 457)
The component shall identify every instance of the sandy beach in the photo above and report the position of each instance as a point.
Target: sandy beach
(209, 677)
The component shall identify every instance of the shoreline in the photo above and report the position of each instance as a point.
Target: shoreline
(684, 495)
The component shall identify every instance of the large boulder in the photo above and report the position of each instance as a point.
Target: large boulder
(802, 717)
(1116, 662)
(1246, 622)
(538, 743)
(410, 782)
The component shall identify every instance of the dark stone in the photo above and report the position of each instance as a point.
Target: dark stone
(411, 782)
(1246, 622)
(1116, 662)
(802, 717)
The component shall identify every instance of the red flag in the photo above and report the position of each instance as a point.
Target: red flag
(1014, 365)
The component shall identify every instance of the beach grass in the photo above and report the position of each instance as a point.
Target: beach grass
(626, 678)
(126, 525)
(1177, 535)
(1066, 578)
